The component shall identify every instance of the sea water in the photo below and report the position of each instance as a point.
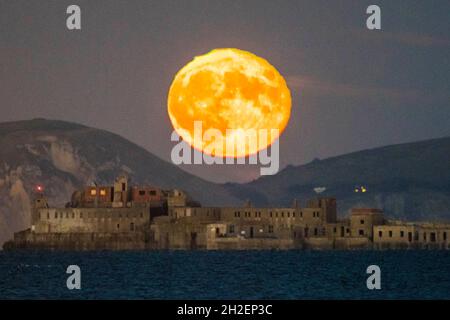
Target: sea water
(225, 275)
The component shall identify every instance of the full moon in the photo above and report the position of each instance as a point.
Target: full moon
(229, 89)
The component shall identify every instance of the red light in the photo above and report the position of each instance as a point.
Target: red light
(39, 188)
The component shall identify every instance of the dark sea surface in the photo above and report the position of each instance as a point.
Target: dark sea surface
(225, 275)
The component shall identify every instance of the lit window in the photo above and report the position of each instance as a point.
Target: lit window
(93, 192)
(102, 192)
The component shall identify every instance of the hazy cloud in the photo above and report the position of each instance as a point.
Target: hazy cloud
(314, 86)
(406, 38)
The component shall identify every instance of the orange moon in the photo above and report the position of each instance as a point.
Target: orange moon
(229, 89)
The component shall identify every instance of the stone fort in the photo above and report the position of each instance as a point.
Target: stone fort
(123, 217)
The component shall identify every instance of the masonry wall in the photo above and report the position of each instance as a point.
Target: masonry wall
(81, 241)
(89, 220)
(413, 236)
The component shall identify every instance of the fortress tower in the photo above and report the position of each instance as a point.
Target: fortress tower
(120, 196)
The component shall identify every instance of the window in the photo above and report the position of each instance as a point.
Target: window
(293, 214)
(142, 214)
(433, 237)
(444, 236)
(362, 221)
(67, 214)
(231, 229)
(276, 214)
(301, 213)
(361, 232)
(48, 215)
(103, 192)
(425, 236)
(402, 233)
(288, 214)
(152, 192)
(56, 215)
(282, 214)
(73, 215)
(270, 229)
(123, 186)
(390, 234)
(118, 226)
(380, 234)
(81, 214)
(142, 192)
(334, 230)
(315, 231)
(348, 230)
(271, 214)
(132, 226)
(318, 213)
(93, 192)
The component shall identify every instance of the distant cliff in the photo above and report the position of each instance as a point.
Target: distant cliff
(63, 156)
(409, 181)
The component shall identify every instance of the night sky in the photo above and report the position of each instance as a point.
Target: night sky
(352, 88)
